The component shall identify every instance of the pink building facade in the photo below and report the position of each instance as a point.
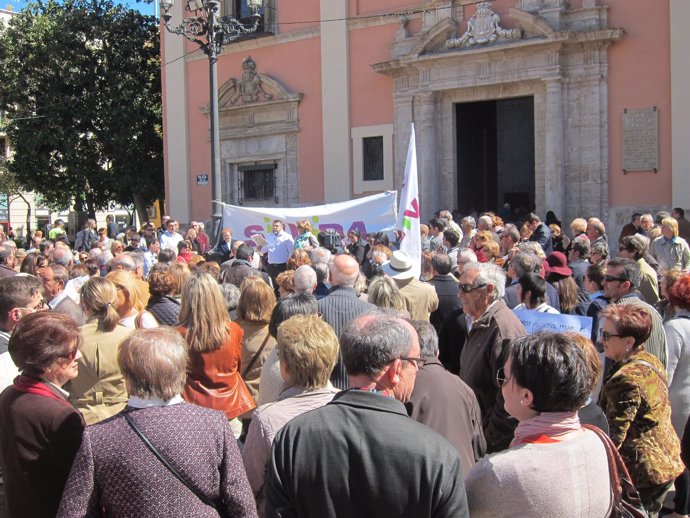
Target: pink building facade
(579, 107)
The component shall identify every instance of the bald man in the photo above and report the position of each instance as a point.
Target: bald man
(342, 305)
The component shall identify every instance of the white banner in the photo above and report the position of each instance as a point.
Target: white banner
(408, 213)
(369, 214)
(535, 321)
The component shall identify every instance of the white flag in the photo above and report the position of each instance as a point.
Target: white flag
(408, 211)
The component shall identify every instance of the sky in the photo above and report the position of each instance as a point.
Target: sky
(146, 8)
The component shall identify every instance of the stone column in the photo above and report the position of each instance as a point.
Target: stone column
(427, 155)
(554, 150)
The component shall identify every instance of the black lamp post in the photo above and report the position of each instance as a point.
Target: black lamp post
(211, 32)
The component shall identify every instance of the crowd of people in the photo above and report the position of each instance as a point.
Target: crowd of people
(150, 373)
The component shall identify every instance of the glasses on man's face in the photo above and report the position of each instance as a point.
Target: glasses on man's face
(613, 278)
(41, 306)
(469, 288)
(606, 336)
(419, 362)
(71, 355)
(501, 378)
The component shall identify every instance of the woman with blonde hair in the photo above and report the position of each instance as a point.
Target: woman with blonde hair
(306, 239)
(285, 281)
(298, 258)
(384, 293)
(254, 310)
(99, 390)
(180, 273)
(129, 306)
(669, 249)
(215, 351)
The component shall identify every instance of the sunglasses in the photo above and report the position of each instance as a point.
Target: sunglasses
(612, 278)
(71, 355)
(501, 378)
(469, 288)
(606, 336)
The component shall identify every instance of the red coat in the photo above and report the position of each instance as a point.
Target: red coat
(214, 380)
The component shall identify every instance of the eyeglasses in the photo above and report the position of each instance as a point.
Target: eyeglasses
(606, 336)
(469, 288)
(418, 361)
(41, 306)
(612, 278)
(71, 355)
(501, 378)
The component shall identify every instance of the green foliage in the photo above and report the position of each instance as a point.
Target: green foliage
(80, 85)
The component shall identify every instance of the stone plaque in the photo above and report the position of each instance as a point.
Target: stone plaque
(641, 140)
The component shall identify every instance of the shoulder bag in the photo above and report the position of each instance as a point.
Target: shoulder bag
(256, 356)
(626, 499)
(172, 470)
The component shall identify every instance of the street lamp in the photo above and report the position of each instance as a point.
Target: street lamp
(211, 32)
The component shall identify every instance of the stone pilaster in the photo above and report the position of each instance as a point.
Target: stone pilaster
(554, 151)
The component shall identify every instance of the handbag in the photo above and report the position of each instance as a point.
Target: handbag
(626, 499)
(172, 470)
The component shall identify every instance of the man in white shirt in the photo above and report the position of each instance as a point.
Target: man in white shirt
(171, 237)
(278, 249)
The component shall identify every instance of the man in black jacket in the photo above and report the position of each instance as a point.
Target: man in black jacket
(361, 455)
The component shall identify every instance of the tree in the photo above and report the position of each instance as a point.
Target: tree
(10, 185)
(80, 85)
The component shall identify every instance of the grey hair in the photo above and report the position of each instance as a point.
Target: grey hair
(5, 253)
(469, 221)
(490, 274)
(125, 261)
(378, 254)
(486, 220)
(600, 248)
(428, 338)
(304, 279)
(104, 257)
(511, 231)
(231, 295)
(62, 256)
(321, 255)
(138, 258)
(524, 263)
(154, 362)
(373, 340)
(467, 255)
(321, 270)
(532, 247)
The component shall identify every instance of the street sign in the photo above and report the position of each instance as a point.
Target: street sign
(202, 179)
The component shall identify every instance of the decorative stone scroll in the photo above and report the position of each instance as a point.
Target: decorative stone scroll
(249, 87)
(641, 140)
(483, 28)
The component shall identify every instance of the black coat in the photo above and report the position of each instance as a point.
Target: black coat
(361, 456)
(447, 290)
(39, 437)
(166, 309)
(543, 236)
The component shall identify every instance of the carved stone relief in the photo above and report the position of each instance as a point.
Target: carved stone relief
(482, 28)
(258, 124)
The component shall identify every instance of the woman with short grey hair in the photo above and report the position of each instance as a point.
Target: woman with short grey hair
(160, 456)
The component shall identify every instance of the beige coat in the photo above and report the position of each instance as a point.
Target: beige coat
(99, 389)
(420, 298)
(254, 335)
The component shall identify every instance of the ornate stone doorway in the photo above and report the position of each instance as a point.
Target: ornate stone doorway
(495, 154)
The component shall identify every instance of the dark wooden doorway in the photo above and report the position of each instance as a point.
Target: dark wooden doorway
(495, 154)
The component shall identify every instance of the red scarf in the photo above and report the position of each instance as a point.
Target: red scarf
(36, 387)
(548, 427)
